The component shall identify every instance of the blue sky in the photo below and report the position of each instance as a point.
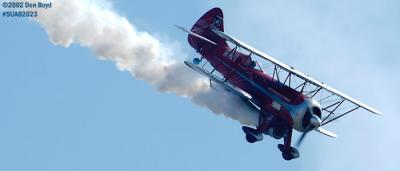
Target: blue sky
(63, 109)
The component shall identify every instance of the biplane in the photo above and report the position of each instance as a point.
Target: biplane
(284, 98)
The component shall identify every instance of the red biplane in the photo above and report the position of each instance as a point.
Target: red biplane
(285, 98)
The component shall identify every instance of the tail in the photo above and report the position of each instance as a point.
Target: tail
(211, 19)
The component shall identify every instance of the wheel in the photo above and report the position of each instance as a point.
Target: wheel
(295, 152)
(251, 139)
(289, 155)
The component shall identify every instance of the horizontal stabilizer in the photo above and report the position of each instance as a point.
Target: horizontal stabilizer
(196, 35)
(230, 39)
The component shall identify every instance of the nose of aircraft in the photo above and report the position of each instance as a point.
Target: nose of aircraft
(315, 121)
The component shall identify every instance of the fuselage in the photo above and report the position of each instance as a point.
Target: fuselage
(273, 97)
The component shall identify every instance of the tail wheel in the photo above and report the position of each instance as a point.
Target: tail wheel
(196, 61)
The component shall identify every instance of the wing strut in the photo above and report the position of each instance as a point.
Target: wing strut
(341, 115)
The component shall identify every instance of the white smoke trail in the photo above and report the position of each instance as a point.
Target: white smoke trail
(111, 37)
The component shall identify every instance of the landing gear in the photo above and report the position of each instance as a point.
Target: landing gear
(252, 135)
(250, 138)
(290, 154)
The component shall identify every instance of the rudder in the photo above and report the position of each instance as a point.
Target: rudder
(211, 19)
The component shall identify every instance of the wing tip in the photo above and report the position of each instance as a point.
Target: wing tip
(377, 113)
(372, 110)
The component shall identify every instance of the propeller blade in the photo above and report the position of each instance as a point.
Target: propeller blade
(301, 139)
(326, 132)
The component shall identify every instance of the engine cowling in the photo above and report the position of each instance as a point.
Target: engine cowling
(306, 115)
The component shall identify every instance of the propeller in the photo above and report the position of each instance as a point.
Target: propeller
(312, 122)
(300, 140)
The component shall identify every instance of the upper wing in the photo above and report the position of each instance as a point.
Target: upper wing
(318, 86)
(295, 72)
